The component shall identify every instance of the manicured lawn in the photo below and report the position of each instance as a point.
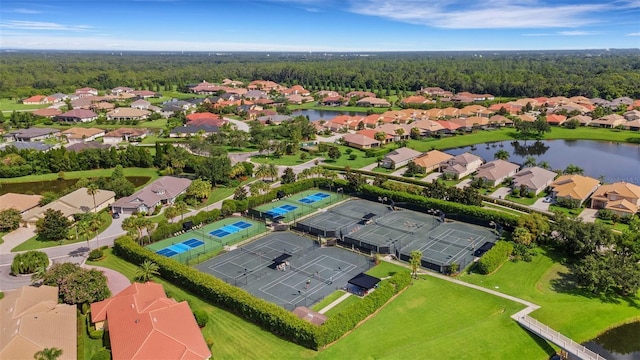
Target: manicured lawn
(151, 139)
(150, 172)
(385, 269)
(617, 226)
(328, 300)
(568, 212)
(343, 160)
(314, 106)
(579, 315)
(89, 346)
(8, 105)
(36, 243)
(524, 200)
(502, 208)
(284, 160)
(344, 304)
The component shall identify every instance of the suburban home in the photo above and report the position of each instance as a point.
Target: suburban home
(500, 121)
(145, 94)
(434, 91)
(124, 134)
(193, 130)
(609, 121)
(274, 119)
(81, 146)
(462, 165)
(163, 191)
(232, 83)
(360, 141)
(36, 100)
(415, 100)
(34, 134)
(141, 104)
(632, 125)
(632, 115)
(144, 323)
(298, 99)
(86, 91)
(535, 178)
(574, 189)
(470, 123)
(47, 112)
(30, 145)
(556, 119)
(20, 202)
(265, 85)
(77, 115)
(102, 106)
(622, 198)
(76, 202)
(371, 133)
(494, 172)
(584, 120)
(121, 90)
(333, 101)
(399, 157)
(77, 134)
(124, 113)
(433, 160)
(373, 101)
(360, 94)
(427, 127)
(32, 320)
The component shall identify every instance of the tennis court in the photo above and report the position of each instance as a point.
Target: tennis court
(287, 269)
(190, 245)
(342, 218)
(289, 208)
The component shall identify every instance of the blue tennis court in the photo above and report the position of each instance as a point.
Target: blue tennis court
(281, 210)
(179, 248)
(230, 229)
(310, 199)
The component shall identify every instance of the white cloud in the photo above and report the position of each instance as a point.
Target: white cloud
(24, 11)
(634, 34)
(40, 25)
(495, 14)
(564, 33)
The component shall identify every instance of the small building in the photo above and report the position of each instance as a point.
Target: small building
(574, 189)
(463, 165)
(373, 102)
(35, 134)
(362, 284)
(360, 141)
(47, 112)
(77, 115)
(433, 160)
(76, 135)
(494, 172)
(535, 178)
(124, 113)
(622, 198)
(20, 202)
(399, 157)
(124, 134)
(163, 191)
(309, 315)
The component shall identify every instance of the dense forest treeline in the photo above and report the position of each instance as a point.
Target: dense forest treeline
(605, 74)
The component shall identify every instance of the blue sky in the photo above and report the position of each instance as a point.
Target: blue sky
(319, 25)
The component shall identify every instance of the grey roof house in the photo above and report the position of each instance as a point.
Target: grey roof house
(35, 134)
(163, 191)
(399, 157)
(494, 172)
(536, 179)
(463, 165)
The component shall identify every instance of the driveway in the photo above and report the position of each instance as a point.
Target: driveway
(432, 177)
(540, 205)
(463, 184)
(500, 193)
(399, 172)
(15, 238)
(240, 125)
(370, 167)
(115, 280)
(588, 215)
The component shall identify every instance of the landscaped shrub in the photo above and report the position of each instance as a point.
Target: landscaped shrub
(495, 257)
(29, 262)
(102, 354)
(202, 318)
(95, 254)
(604, 214)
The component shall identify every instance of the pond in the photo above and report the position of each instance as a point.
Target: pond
(315, 115)
(610, 160)
(38, 187)
(620, 343)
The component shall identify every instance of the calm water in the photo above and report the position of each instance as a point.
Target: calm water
(613, 161)
(38, 187)
(315, 115)
(621, 343)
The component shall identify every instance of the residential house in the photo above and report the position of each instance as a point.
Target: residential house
(556, 119)
(47, 112)
(202, 115)
(82, 146)
(449, 127)
(20, 202)
(295, 90)
(83, 103)
(86, 91)
(510, 108)
(622, 198)
(435, 91)
(449, 112)
(35, 134)
(30, 145)
(373, 101)
(265, 85)
(76, 202)
(527, 118)
(163, 191)
(609, 121)
(145, 324)
(496, 171)
(360, 94)
(124, 113)
(193, 130)
(232, 83)
(500, 121)
(584, 120)
(274, 119)
(427, 127)
(463, 165)
(433, 160)
(36, 100)
(255, 95)
(77, 115)
(535, 178)
(470, 123)
(632, 115)
(360, 141)
(475, 97)
(32, 320)
(475, 110)
(415, 100)
(632, 125)
(375, 134)
(297, 99)
(124, 134)
(145, 94)
(57, 97)
(102, 106)
(141, 104)
(327, 93)
(121, 90)
(77, 134)
(574, 189)
(205, 88)
(399, 157)
(333, 101)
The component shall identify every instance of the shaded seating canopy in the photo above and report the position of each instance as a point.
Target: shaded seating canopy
(281, 259)
(364, 281)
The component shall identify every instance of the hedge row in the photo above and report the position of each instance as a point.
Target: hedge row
(166, 229)
(267, 315)
(495, 257)
(505, 219)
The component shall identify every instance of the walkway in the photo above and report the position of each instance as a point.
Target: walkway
(15, 238)
(522, 316)
(335, 303)
(115, 280)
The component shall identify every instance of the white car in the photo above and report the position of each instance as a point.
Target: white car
(548, 199)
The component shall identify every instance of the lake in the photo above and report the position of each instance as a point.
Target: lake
(611, 160)
(620, 343)
(38, 187)
(315, 115)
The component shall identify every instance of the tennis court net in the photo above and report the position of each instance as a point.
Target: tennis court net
(313, 276)
(255, 253)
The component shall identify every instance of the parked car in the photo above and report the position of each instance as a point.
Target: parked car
(115, 215)
(548, 199)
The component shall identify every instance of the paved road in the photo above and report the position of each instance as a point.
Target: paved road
(240, 125)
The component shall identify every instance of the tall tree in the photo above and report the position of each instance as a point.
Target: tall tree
(48, 354)
(501, 155)
(92, 190)
(53, 226)
(415, 260)
(146, 270)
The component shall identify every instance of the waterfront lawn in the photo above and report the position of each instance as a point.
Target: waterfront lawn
(545, 281)
(150, 172)
(344, 109)
(9, 105)
(572, 213)
(344, 161)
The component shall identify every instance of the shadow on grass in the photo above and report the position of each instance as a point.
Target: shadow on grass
(633, 140)
(542, 343)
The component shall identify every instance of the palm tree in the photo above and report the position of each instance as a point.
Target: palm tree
(170, 212)
(82, 228)
(573, 170)
(181, 206)
(262, 171)
(544, 165)
(92, 189)
(146, 270)
(38, 275)
(48, 354)
(94, 225)
(530, 161)
(501, 155)
(129, 225)
(272, 170)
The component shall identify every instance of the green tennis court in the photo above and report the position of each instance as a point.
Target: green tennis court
(292, 207)
(189, 246)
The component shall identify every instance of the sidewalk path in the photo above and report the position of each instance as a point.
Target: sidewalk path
(15, 238)
(115, 280)
(335, 303)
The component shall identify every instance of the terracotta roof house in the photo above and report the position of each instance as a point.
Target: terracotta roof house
(535, 178)
(77, 134)
(76, 202)
(163, 191)
(124, 134)
(463, 165)
(202, 116)
(296, 90)
(449, 127)
(233, 83)
(125, 113)
(499, 121)
(298, 99)
(574, 188)
(584, 120)
(102, 106)
(372, 120)
(47, 112)
(474, 110)
(32, 320)
(265, 85)
(470, 123)
(609, 121)
(494, 172)
(450, 112)
(360, 141)
(510, 108)
(399, 157)
(427, 127)
(433, 160)
(415, 100)
(20, 202)
(434, 113)
(622, 198)
(77, 115)
(87, 90)
(145, 324)
(327, 93)
(371, 133)
(556, 119)
(36, 100)
(434, 91)
(398, 132)
(35, 134)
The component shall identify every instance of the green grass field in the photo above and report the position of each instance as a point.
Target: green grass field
(313, 106)
(9, 105)
(150, 172)
(544, 281)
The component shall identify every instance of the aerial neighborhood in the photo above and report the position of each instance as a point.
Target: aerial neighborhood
(147, 223)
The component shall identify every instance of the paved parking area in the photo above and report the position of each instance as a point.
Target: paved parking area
(588, 215)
